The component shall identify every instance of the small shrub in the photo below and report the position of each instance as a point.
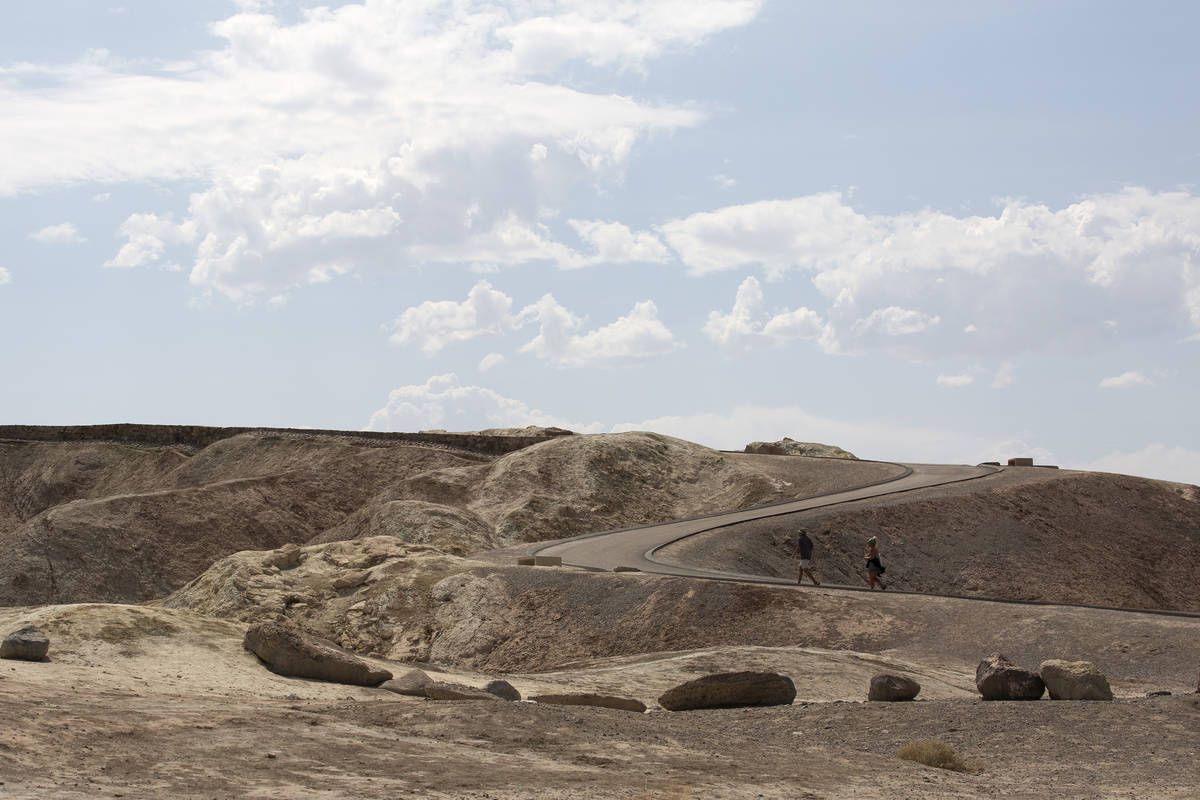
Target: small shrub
(934, 753)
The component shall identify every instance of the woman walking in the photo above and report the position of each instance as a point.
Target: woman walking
(874, 565)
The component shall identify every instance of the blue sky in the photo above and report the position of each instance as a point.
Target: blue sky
(953, 232)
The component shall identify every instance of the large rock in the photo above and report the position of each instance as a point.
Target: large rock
(997, 678)
(892, 687)
(27, 644)
(595, 700)
(411, 683)
(287, 650)
(453, 691)
(730, 690)
(502, 689)
(790, 447)
(1074, 680)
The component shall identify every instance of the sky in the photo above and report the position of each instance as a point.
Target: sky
(944, 232)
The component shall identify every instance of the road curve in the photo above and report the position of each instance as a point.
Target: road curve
(635, 547)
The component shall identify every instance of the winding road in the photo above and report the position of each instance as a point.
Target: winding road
(635, 547)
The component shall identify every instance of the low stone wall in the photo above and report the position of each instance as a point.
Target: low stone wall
(201, 436)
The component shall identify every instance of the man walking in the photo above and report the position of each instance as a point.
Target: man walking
(804, 548)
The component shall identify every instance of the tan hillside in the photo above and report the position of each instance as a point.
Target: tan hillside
(1023, 534)
(103, 521)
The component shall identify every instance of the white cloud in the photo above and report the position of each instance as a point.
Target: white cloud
(5, 276)
(146, 239)
(434, 325)
(1004, 376)
(614, 242)
(63, 233)
(724, 181)
(444, 402)
(1125, 380)
(376, 127)
(489, 361)
(636, 337)
(748, 326)
(1153, 461)
(883, 440)
(955, 381)
(1126, 263)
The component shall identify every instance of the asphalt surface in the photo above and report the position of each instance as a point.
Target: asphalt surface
(634, 547)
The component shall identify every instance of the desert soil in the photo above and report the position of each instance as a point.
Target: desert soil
(404, 555)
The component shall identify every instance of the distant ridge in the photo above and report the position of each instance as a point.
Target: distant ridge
(203, 436)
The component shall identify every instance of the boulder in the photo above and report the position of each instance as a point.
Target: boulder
(892, 687)
(730, 690)
(287, 650)
(411, 683)
(27, 644)
(596, 700)
(1074, 680)
(997, 678)
(502, 689)
(436, 690)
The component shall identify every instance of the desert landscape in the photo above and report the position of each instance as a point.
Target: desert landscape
(145, 555)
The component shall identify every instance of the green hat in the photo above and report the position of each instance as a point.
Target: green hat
(872, 539)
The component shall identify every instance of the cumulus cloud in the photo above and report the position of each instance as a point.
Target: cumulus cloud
(1125, 380)
(1110, 267)
(631, 339)
(634, 338)
(748, 326)
(384, 133)
(147, 237)
(5, 276)
(615, 242)
(63, 233)
(445, 402)
(1152, 461)
(433, 325)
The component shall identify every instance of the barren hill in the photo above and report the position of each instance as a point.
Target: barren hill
(128, 522)
(1023, 534)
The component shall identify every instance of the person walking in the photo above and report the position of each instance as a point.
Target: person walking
(804, 549)
(874, 565)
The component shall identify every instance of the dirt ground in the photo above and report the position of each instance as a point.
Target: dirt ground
(162, 700)
(151, 702)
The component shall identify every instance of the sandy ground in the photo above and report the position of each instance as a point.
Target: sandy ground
(152, 702)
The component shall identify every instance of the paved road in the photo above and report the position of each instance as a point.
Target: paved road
(634, 547)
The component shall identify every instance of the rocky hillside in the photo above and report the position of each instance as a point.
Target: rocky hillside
(386, 598)
(1024, 534)
(106, 521)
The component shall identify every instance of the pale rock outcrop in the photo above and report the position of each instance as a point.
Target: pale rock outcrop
(1074, 680)
(997, 678)
(892, 687)
(790, 447)
(594, 700)
(730, 690)
(26, 644)
(287, 650)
